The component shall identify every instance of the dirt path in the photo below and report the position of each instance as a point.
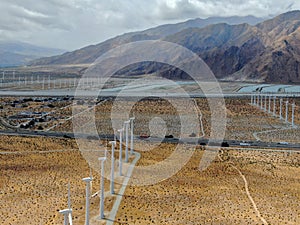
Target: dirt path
(255, 134)
(38, 152)
(200, 115)
(250, 197)
(113, 212)
(71, 117)
(248, 193)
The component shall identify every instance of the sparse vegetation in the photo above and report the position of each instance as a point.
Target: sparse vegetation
(35, 171)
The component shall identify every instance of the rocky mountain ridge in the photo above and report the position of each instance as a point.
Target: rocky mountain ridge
(266, 52)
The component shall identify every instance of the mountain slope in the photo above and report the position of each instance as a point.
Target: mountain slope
(9, 59)
(90, 53)
(266, 52)
(269, 51)
(18, 53)
(280, 62)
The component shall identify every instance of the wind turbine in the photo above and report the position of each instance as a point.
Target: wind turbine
(293, 114)
(280, 108)
(49, 82)
(126, 124)
(101, 209)
(68, 212)
(121, 131)
(112, 175)
(274, 106)
(88, 181)
(286, 111)
(131, 135)
(269, 109)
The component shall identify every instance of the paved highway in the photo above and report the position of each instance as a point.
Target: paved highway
(203, 142)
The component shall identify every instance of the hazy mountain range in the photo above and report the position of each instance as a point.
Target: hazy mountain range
(235, 48)
(18, 53)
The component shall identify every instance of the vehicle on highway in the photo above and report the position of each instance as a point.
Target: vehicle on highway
(225, 144)
(283, 143)
(245, 144)
(144, 136)
(169, 136)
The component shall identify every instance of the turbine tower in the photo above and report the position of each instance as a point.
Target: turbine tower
(88, 181)
(293, 114)
(66, 213)
(102, 160)
(131, 135)
(112, 175)
(280, 108)
(121, 131)
(286, 111)
(126, 124)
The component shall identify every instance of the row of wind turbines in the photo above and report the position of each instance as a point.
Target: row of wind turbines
(268, 103)
(67, 213)
(44, 82)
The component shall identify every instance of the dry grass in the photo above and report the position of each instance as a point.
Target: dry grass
(242, 119)
(217, 195)
(33, 182)
(33, 186)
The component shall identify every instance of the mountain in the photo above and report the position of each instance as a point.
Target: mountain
(90, 53)
(169, 29)
(280, 62)
(18, 53)
(268, 51)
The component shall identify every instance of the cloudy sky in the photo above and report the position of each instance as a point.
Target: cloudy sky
(71, 24)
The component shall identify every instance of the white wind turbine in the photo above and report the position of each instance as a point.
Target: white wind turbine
(131, 135)
(121, 131)
(88, 181)
(126, 124)
(67, 213)
(101, 209)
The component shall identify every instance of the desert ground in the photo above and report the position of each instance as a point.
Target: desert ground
(243, 119)
(239, 187)
(34, 187)
(218, 195)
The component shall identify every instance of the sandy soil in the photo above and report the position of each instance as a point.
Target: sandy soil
(34, 187)
(218, 195)
(35, 173)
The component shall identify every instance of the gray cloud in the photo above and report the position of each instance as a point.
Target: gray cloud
(70, 24)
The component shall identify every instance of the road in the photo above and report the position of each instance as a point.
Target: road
(201, 141)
